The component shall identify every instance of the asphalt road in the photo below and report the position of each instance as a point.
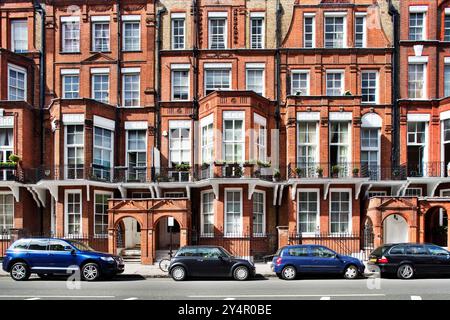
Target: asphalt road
(137, 288)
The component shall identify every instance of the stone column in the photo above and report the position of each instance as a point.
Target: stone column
(183, 237)
(147, 246)
(283, 236)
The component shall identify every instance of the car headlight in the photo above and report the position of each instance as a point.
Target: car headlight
(107, 259)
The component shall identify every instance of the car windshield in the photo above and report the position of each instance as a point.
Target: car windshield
(81, 246)
(226, 252)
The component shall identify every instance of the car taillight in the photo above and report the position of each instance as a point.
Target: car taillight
(278, 262)
(382, 260)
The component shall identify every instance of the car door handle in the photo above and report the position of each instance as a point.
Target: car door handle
(199, 259)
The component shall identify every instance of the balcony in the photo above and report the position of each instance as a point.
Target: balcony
(9, 172)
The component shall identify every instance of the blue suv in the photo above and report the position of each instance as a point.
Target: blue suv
(59, 256)
(308, 259)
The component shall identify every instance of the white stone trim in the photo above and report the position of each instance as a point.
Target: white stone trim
(233, 115)
(340, 116)
(70, 19)
(257, 14)
(217, 65)
(131, 17)
(174, 124)
(73, 118)
(308, 116)
(447, 59)
(178, 15)
(104, 123)
(100, 18)
(207, 120)
(445, 115)
(7, 122)
(220, 14)
(447, 11)
(69, 71)
(418, 117)
(99, 70)
(360, 14)
(418, 9)
(180, 66)
(259, 119)
(309, 14)
(136, 125)
(255, 65)
(417, 59)
(371, 120)
(131, 70)
(335, 14)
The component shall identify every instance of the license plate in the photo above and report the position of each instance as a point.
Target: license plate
(373, 260)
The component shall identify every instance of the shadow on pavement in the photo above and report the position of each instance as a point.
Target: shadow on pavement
(257, 277)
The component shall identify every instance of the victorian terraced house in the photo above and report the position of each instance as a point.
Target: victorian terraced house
(140, 125)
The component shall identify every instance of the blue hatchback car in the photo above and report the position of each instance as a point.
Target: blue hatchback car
(46, 257)
(289, 261)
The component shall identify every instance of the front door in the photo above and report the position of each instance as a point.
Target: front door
(325, 260)
(420, 257)
(440, 258)
(61, 257)
(210, 263)
(37, 255)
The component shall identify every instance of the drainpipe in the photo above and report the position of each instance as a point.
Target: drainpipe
(395, 85)
(195, 53)
(117, 132)
(42, 76)
(159, 14)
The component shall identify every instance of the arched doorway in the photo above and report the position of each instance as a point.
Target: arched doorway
(436, 226)
(167, 236)
(128, 239)
(395, 229)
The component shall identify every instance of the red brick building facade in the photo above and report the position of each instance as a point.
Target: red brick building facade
(249, 124)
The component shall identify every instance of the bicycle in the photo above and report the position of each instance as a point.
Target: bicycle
(164, 263)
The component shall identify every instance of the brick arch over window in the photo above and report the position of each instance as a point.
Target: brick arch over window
(148, 212)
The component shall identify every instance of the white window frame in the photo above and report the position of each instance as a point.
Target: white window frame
(69, 73)
(336, 14)
(93, 37)
(131, 72)
(350, 222)
(202, 213)
(446, 30)
(5, 151)
(208, 148)
(66, 153)
(311, 16)
(241, 218)
(177, 16)
(65, 22)
(418, 10)
(414, 189)
(308, 190)
(177, 124)
(254, 16)
(128, 150)
(95, 74)
(337, 71)
(425, 76)
(372, 149)
(218, 16)
(180, 68)
(377, 86)
(264, 222)
(103, 193)
(14, 25)
(15, 68)
(364, 33)
(348, 144)
(226, 67)
(227, 116)
(260, 123)
(298, 145)
(308, 85)
(256, 67)
(131, 20)
(7, 236)
(111, 158)
(66, 211)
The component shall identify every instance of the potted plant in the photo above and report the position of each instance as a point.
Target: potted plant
(264, 164)
(335, 171)
(319, 171)
(219, 163)
(347, 93)
(355, 172)
(14, 158)
(276, 175)
(182, 166)
(299, 172)
(248, 164)
(205, 165)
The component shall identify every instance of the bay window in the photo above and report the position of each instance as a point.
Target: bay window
(17, 83)
(340, 147)
(103, 153)
(340, 211)
(179, 142)
(233, 212)
(308, 211)
(260, 131)
(74, 151)
(6, 149)
(207, 139)
(136, 154)
(307, 147)
(233, 136)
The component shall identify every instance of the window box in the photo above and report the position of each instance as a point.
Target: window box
(8, 165)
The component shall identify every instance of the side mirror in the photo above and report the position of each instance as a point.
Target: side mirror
(336, 256)
(224, 258)
(73, 252)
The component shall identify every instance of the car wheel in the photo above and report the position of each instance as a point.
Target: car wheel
(19, 271)
(288, 273)
(90, 272)
(241, 273)
(44, 275)
(351, 272)
(405, 271)
(178, 273)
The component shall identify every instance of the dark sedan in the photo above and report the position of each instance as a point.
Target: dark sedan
(409, 259)
(209, 261)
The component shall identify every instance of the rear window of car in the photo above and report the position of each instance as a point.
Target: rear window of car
(20, 244)
(298, 252)
(397, 250)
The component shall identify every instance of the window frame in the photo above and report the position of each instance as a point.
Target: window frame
(137, 172)
(66, 213)
(233, 141)
(172, 90)
(335, 71)
(181, 150)
(3, 216)
(377, 81)
(65, 21)
(63, 86)
(13, 25)
(18, 69)
(202, 213)
(225, 32)
(364, 32)
(424, 80)
(103, 193)
(350, 222)
(308, 83)
(133, 21)
(101, 74)
(208, 147)
(207, 70)
(331, 14)
(256, 17)
(263, 77)
(127, 74)
(317, 229)
(94, 38)
(264, 222)
(173, 18)
(76, 146)
(111, 150)
(313, 31)
(241, 217)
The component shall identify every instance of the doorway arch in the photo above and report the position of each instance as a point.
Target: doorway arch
(127, 234)
(436, 226)
(395, 229)
(167, 238)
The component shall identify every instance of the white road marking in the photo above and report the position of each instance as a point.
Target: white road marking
(35, 298)
(229, 299)
(416, 298)
(325, 298)
(60, 296)
(292, 295)
(132, 298)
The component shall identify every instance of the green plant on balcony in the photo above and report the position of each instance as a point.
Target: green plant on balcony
(347, 93)
(248, 163)
(182, 166)
(219, 163)
(276, 174)
(355, 172)
(299, 172)
(319, 172)
(205, 165)
(14, 158)
(335, 170)
(263, 164)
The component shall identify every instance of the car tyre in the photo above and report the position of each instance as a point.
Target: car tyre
(20, 271)
(351, 272)
(405, 271)
(90, 272)
(289, 273)
(241, 273)
(178, 273)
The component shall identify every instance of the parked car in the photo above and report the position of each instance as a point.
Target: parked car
(46, 257)
(292, 260)
(405, 260)
(209, 261)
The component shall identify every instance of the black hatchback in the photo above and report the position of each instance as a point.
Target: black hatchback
(409, 259)
(209, 261)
